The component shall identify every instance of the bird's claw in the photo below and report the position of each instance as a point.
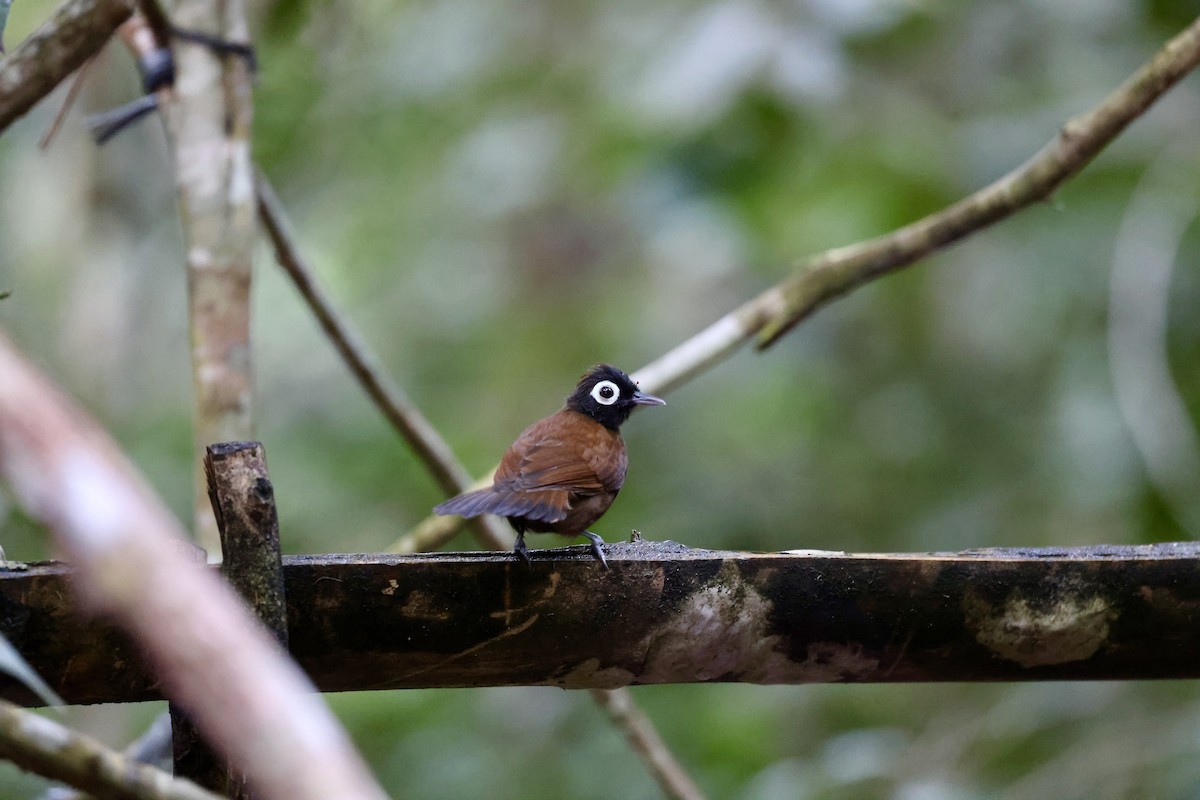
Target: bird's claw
(521, 551)
(596, 551)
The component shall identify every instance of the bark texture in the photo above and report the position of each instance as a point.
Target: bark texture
(670, 614)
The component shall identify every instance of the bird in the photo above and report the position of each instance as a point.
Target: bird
(564, 471)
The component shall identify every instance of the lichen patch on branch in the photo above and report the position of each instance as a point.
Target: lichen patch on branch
(834, 662)
(719, 633)
(1072, 628)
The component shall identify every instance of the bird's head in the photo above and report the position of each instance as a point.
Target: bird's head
(608, 395)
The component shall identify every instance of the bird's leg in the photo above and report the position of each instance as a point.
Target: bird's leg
(521, 551)
(596, 551)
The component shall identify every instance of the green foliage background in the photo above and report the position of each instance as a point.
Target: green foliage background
(501, 193)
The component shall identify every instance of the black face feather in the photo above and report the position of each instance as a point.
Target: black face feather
(607, 395)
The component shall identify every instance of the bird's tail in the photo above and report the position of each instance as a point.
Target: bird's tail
(534, 506)
(469, 504)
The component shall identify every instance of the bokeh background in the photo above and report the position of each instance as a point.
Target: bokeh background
(500, 193)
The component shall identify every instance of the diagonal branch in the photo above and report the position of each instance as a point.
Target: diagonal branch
(78, 29)
(831, 274)
(387, 396)
(641, 735)
(434, 531)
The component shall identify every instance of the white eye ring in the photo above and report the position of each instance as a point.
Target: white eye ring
(606, 393)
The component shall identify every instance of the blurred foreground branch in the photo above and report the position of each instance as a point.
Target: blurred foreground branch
(672, 614)
(78, 29)
(45, 747)
(130, 562)
(826, 276)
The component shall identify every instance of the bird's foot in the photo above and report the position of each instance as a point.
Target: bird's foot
(596, 551)
(521, 551)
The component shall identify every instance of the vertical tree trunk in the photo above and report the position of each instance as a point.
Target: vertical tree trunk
(209, 127)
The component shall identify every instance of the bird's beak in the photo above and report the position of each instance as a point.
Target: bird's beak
(643, 399)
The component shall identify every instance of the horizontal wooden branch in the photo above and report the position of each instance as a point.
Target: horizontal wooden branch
(669, 614)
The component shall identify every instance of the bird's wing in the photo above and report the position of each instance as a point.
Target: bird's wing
(550, 465)
(564, 452)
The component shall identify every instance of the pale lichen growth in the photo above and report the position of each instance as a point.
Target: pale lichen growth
(832, 662)
(421, 605)
(1073, 628)
(718, 634)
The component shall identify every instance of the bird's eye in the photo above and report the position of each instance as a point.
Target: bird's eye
(605, 393)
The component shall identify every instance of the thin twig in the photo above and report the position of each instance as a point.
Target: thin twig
(14, 665)
(156, 64)
(156, 20)
(67, 103)
(644, 739)
(387, 396)
(47, 748)
(154, 745)
(4, 6)
(76, 32)
(833, 273)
